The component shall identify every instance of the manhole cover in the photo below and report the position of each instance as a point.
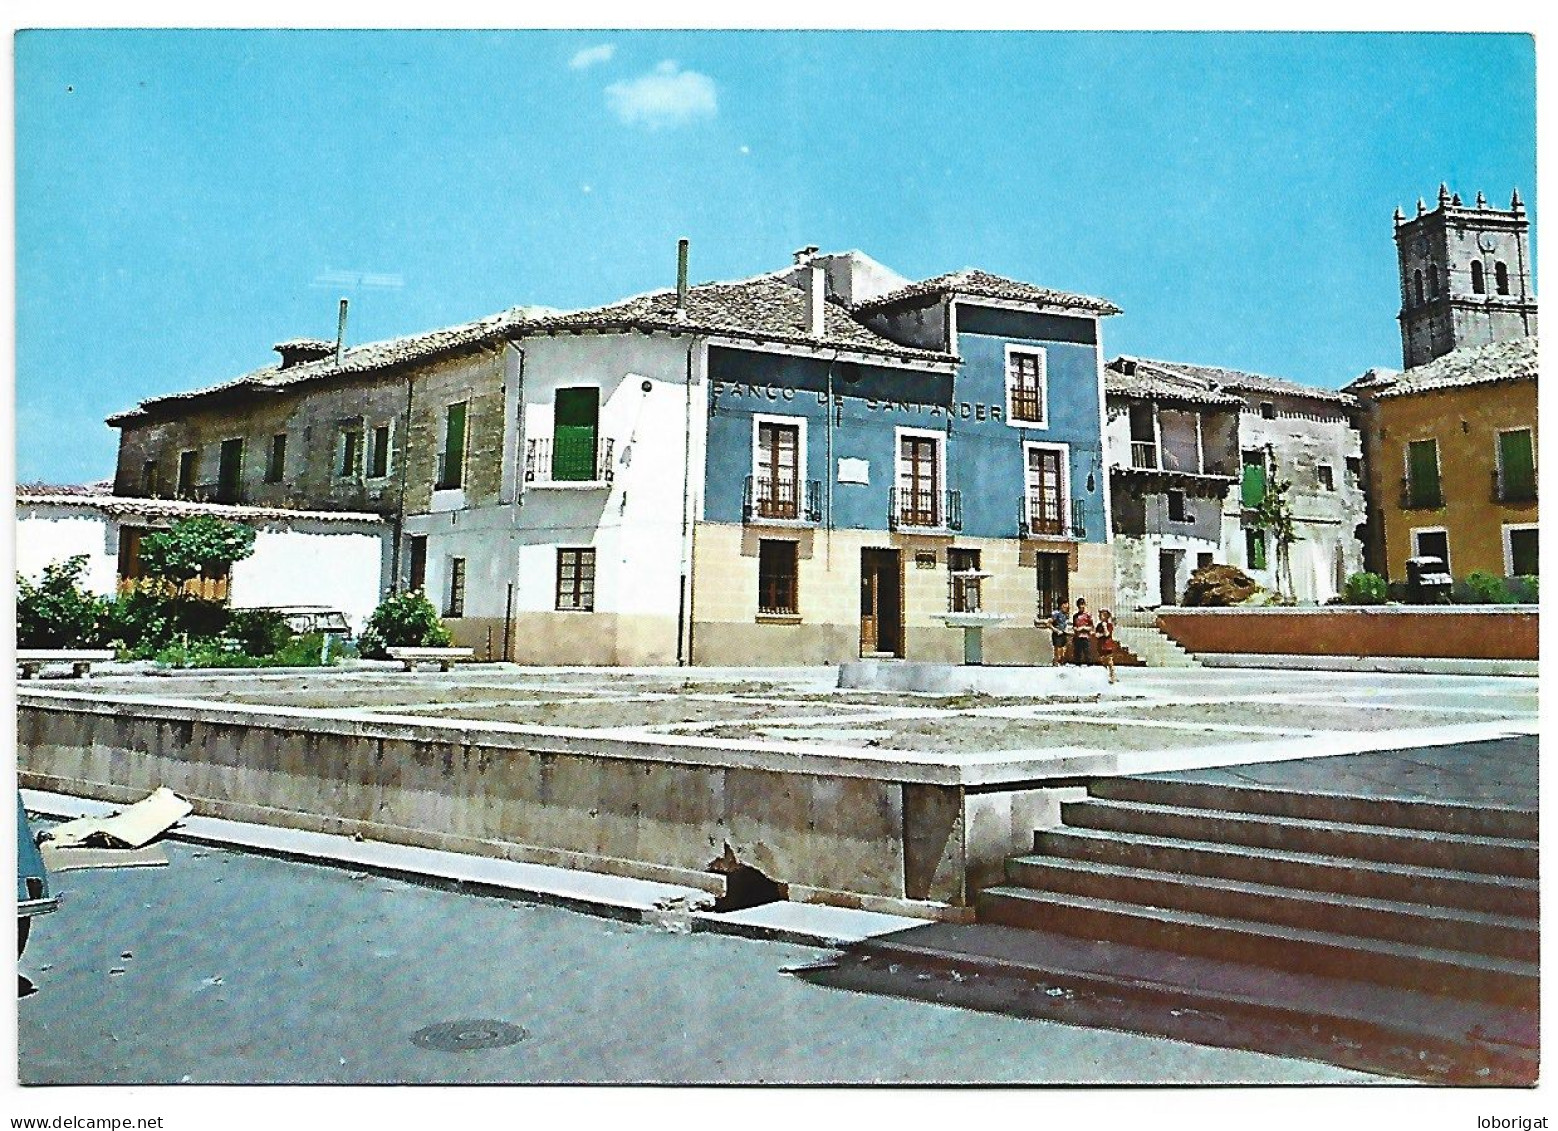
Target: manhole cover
(464, 1036)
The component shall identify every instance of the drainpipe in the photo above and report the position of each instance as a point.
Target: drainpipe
(684, 595)
(340, 335)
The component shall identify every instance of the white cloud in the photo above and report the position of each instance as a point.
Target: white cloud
(589, 56)
(666, 96)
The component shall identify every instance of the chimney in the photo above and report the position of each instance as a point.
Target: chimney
(296, 351)
(340, 335)
(681, 281)
(815, 285)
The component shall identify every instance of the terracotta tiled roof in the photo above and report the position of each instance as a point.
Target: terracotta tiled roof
(982, 284)
(1145, 382)
(128, 505)
(764, 309)
(1236, 381)
(1513, 360)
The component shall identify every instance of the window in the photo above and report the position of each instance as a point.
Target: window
(777, 571)
(919, 480)
(1254, 548)
(1252, 488)
(1520, 551)
(1432, 543)
(1268, 411)
(1501, 278)
(1516, 467)
(456, 605)
(1423, 475)
(1203, 561)
(276, 459)
(576, 581)
(350, 448)
(229, 470)
(1354, 470)
(1433, 279)
(777, 470)
(1144, 436)
(1326, 477)
(130, 568)
(186, 483)
(451, 460)
(1417, 280)
(378, 453)
(575, 417)
(963, 581)
(417, 553)
(1046, 489)
(1478, 286)
(1025, 386)
(149, 478)
(1178, 510)
(1052, 582)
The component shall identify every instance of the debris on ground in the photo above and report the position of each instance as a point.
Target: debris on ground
(57, 859)
(133, 827)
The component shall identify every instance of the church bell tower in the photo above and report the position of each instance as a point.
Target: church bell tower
(1465, 276)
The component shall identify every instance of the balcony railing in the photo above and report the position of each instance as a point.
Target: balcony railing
(784, 501)
(1144, 454)
(1420, 496)
(1507, 489)
(568, 459)
(1034, 521)
(923, 509)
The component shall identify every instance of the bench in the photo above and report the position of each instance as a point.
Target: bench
(29, 661)
(443, 657)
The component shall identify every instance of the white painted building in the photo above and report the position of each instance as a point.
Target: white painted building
(338, 559)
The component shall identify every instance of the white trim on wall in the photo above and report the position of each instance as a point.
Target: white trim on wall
(1413, 532)
(1042, 424)
(798, 422)
(1065, 475)
(1507, 529)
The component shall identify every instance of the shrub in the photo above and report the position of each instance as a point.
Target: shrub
(1480, 587)
(145, 620)
(229, 652)
(402, 620)
(1524, 589)
(57, 612)
(261, 632)
(1365, 589)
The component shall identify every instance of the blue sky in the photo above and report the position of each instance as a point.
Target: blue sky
(187, 199)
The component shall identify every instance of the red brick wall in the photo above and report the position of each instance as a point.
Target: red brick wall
(1452, 634)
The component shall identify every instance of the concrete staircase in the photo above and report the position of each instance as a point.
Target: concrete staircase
(1143, 645)
(1407, 930)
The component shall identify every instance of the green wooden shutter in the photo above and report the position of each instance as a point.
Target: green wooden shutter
(1253, 489)
(1423, 472)
(1517, 465)
(576, 414)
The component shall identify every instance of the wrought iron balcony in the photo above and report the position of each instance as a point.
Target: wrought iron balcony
(1420, 496)
(1027, 406)
(568, 459)
(922, 509)
(1144, 453)
(1036, 521)
(783, 502)
(1508, 489)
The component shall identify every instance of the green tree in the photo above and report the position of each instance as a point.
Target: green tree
(196, 547)
(1275, 515)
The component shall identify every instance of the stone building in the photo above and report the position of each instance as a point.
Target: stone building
(802, 467)
(1192, 449)
(1451, 441)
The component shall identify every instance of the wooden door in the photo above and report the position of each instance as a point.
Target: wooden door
(881, 603)
(778, 470)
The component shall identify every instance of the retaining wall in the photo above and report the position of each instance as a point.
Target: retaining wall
(865, 831)
(1507, 632)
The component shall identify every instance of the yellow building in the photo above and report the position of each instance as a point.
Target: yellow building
(1451, 452)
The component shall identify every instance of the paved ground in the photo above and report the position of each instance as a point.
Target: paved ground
(1155, 718)
(225, 967)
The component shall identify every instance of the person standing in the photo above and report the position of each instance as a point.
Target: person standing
(1103, 633)
(1059, 630)
(1082, 632)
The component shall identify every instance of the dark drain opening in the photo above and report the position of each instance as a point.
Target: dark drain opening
(745, 886)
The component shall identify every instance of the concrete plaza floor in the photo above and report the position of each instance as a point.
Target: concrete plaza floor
(1152, 720)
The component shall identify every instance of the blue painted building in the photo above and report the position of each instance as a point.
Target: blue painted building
(851, 502)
